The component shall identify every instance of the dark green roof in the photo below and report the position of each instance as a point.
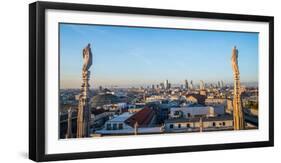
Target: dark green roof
(103, 99)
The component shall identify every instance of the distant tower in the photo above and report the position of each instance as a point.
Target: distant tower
(238, 116)
(166, 84)
(191, 84)
(186, 84)
(83, 115)
(202, 85)
(69, 124)
(222, 84)
(162, 86)
(219, 84)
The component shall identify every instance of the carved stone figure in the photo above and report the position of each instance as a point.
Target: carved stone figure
(83, 115)
(238, 115)
(234, 61)
(87, 58)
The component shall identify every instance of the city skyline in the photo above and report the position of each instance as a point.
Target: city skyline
(131, 56)
(196, 84)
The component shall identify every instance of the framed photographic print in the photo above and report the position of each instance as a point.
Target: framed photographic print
(108, 81)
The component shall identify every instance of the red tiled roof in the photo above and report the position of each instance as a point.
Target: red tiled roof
(143, 117)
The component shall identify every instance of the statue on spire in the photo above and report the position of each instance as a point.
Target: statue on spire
(87, 58)
(234, 60)
(84, 116)
(238, 115)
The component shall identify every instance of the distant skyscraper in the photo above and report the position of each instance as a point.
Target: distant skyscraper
(162, 86)
(186, 84)
(202, 85)
(191, 84)
(222, 84)
(219, 84)
(166, 84)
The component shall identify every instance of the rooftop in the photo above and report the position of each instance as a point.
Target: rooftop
(122, 117)
(104, 99)
(142, 117)
(146, 130)
(200, 98)
(197, 119)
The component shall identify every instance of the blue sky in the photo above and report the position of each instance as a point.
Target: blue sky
(131, 56)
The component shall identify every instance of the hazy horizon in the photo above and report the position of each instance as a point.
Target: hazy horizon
(145, 85)
(128, 56)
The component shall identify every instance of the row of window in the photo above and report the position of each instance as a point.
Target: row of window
(179, 125)
(114, 126)
(180, 113)
(188, 125)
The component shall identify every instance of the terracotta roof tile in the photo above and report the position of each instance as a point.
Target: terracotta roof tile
(143, 117)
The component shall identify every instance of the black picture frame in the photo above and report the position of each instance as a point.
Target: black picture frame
(37, 79)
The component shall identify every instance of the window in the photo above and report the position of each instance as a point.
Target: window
(223, 123)
(120, 126)
(179, 125)
(108, 126)
(214, 124)
(171, 126)
(114, 126)
(188, 115)
(188, 125)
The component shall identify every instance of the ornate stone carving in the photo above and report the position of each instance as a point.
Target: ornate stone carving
(238, 115)
(84, 116)
(69, 124)
(87, 58)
